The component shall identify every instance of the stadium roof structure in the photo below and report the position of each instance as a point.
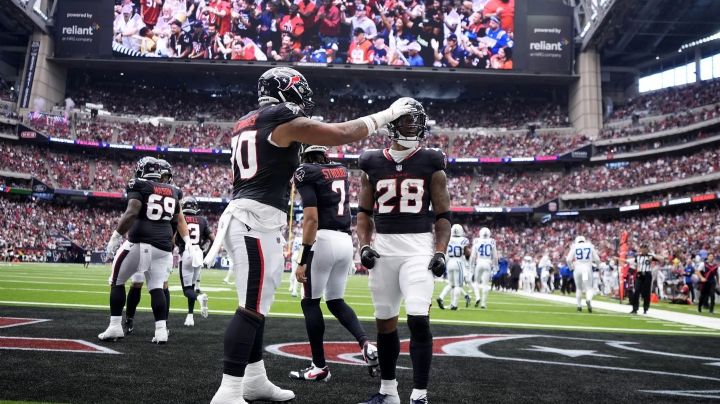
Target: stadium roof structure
(637, 33)
(16, 26)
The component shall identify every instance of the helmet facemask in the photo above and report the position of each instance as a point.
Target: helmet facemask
(409, 129)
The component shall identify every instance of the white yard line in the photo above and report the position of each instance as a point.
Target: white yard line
(435, 321)
(659, 314)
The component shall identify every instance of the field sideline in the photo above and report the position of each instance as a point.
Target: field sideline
(72, 286)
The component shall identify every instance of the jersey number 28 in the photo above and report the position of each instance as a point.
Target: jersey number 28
(411, 195)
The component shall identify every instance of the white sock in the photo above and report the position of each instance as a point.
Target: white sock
(159, 325)
(255, 368)
(389, 387)
(418, 393)
(116, 320)
(190, 315)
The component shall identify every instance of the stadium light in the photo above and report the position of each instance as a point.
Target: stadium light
(700, 41)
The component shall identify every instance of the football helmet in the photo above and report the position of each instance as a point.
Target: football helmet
(283, 84)
(409, 129)
(308, 148)
(166, 171)
(148, 168)
(579, 239)
(457, 230)
(485, 232)
(189, 205)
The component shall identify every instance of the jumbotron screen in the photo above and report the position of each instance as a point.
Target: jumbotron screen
(481, 35)
(476, 35)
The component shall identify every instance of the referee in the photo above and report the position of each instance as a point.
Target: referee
(643, 281)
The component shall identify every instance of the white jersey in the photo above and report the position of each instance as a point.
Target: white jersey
(582, 254)
(456, 247)
(529, 267)
(484, 251)
(297, 243)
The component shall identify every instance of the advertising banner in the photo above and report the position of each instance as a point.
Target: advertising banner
(83, 28)
(550, 43)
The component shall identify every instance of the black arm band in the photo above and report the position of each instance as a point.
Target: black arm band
(305, 250)
(368, 212)
(445, 215)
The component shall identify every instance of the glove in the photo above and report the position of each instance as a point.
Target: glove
(197, 256)
(113, 244)
(396, 110)
(368, 256)
(437, 264)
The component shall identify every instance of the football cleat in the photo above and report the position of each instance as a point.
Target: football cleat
(440, 303)
(453, 307)
(477, 303)
(203, 299)
(379, 398)
(161, 336)
(228, 395)
(579, 309)
(129, 325)
(483, 307)
(370, 355)
(113, 333)
(189, 320)
(589, 305)
(311, 373)
(633, 312)
(467, 301)
(421, 400)
(257, 387)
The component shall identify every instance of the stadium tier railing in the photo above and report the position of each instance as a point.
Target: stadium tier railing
(659, 150)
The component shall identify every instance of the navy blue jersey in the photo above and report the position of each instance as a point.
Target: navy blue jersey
(261, 170)
(160, 204)
(326, 187)
(199, 230)
(402, 190)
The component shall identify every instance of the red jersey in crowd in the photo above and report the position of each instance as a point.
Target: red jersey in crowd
(150, 10)
(224, 23)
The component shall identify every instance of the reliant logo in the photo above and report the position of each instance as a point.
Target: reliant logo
(546, 46)
(75, 30)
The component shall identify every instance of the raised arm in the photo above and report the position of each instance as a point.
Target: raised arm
(306, 130)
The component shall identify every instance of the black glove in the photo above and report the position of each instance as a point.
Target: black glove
(437, 264)
(368, 256)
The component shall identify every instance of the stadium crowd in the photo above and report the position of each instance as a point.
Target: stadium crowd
(669, 100)
(503, 186)
(676, 120)
(469, 34)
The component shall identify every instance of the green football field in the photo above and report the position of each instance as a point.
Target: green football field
(72, 286)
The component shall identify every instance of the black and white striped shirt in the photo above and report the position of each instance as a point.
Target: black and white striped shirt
(643, 263)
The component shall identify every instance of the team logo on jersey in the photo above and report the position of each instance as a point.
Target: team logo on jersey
(398, 167)
(300, 175)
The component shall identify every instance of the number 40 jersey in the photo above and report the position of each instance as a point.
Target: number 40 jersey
(401, 191)
(160, 204)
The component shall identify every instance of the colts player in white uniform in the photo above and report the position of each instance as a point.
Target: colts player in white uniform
(297, 243)
(458, 250)
(484, 261)
(529, 272)
(399, 185)
(580, 259)
(265, 153)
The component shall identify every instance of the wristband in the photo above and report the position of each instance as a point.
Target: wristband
(445, 215)
(368, 212)
(305, 251)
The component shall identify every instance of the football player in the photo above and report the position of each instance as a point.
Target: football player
(458, 250)
(324, 256)
(297, 242)
(580, 259)
(191, 259)
(398, 186)
(138, 279)
(529, 272)
(265, 154)
(484, 261)
(545, 266)
(152, 207)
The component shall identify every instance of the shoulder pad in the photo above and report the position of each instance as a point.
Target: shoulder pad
(303, 173)
(366, 156)
(437, 158)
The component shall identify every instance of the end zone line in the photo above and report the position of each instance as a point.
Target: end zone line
(434, 321)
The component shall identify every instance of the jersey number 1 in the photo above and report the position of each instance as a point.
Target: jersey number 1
(247, 166)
